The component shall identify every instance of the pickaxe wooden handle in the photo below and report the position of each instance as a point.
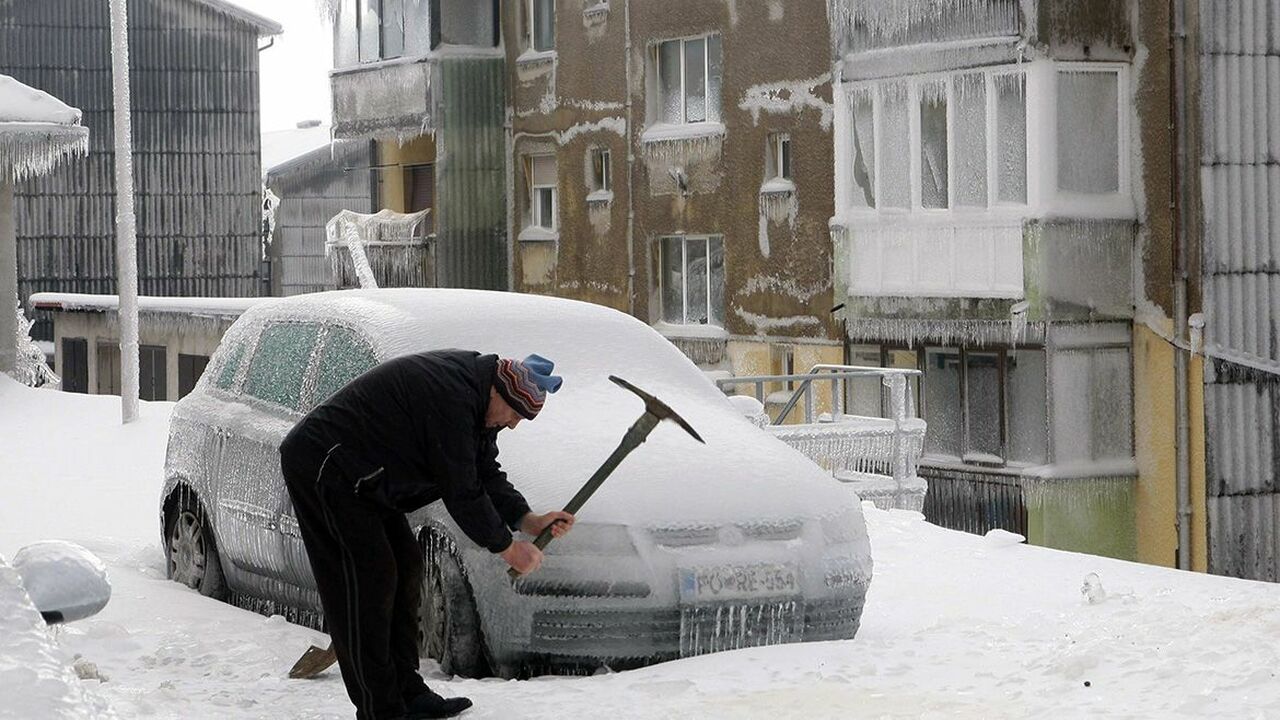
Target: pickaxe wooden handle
(655, 411)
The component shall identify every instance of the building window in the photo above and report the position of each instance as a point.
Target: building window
(692, 280)
(959, 141)
(541, 171)
(689, 80)
(108, 364)
(420, 193)
(601, 180)
(541, 25)
(1088, 130)
(778, 158)
(984, 406)
(965, 134)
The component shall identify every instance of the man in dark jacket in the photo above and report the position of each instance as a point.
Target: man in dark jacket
(408, 432)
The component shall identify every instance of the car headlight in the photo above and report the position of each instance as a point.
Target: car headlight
(844, 527)
(594, 560)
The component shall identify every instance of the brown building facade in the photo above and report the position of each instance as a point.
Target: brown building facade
(672, 160)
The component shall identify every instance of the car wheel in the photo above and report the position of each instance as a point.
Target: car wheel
(191, 555)
(448, 624)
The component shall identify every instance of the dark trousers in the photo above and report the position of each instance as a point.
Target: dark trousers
(368, 569)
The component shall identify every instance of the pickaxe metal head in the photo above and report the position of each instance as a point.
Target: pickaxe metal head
(657, 408)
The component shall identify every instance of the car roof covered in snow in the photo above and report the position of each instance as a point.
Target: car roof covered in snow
(740, 474)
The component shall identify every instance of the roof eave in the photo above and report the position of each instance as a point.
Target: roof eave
(266, 26)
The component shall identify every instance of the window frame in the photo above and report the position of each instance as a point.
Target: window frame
(684, 93)
(531, 35)
(780, 156)
(1040, 107)
(967, 452)
(601, 170)
(684, 276)
(535, 206)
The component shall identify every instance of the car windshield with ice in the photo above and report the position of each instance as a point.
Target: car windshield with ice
(686, 549)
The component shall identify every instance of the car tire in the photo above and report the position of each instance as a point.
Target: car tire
(448, 623)
(190, 552)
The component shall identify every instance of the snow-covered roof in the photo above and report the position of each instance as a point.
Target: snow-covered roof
(228, 307)
(266, 27)
(37, 130)
(280, 147)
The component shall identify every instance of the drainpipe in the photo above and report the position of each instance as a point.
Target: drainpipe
(1180, 202)
(631, 162)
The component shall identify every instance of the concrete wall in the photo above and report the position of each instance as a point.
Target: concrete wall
(180, 335)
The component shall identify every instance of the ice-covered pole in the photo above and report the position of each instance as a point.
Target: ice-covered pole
(126, 232)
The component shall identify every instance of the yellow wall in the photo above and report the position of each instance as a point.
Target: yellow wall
(1155, 446)
(392, 158)
(756, 357)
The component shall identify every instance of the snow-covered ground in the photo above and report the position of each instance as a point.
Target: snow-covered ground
(956, 625)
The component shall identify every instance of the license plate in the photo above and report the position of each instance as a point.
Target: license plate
(736, 582)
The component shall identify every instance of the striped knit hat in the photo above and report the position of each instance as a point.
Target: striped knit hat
(524, 384)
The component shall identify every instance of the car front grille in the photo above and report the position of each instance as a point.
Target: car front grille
(654, 635)
(732, 626)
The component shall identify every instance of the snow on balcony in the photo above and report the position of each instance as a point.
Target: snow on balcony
(985, 261)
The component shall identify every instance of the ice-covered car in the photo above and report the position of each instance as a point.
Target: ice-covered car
(686, 549)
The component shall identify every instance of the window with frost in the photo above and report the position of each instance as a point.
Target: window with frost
(1089, 127)
(601, 181)
(688, 80)
(541, 171)
(956, 141)
(344, 356)
(984, 406)
(691, 279)
(541, 16)
(280, 363)
(778, 157)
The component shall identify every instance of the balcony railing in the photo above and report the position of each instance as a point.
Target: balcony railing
(878, 455)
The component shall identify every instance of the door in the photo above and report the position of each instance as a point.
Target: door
(253, 496)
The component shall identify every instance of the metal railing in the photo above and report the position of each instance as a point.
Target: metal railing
(878, 454)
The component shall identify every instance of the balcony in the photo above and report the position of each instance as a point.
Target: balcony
(395, 57)
(385, 99)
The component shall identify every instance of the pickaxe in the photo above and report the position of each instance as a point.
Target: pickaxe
(655, 411)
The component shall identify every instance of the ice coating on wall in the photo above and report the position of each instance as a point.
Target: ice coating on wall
(788, 97)
(778, 205)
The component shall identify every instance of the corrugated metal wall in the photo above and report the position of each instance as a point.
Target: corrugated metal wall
(313, 189)
(1240, 175)
(470, 174)
(196, 145)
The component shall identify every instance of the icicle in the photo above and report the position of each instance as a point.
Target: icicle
(270, 204)
(33, 149)
(1018, 322)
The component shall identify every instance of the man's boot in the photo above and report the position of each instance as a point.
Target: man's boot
(429, 705)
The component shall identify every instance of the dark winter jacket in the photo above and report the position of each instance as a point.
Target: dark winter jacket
(411, 431)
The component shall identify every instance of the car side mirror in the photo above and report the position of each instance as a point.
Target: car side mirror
(64, 581)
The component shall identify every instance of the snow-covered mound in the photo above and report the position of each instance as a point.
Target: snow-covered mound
(36, 679)
(64, 577)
